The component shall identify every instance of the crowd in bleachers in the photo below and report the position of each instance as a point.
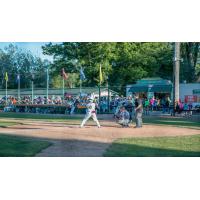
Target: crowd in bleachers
(74, 104)
(28, 100)
(42, 101)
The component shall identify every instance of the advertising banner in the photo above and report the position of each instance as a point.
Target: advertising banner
(190, 98)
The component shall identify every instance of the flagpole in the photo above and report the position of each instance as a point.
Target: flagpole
(99, 86)
(63, 88)
(108, 96)
(18, 87)
(80, 86)
(6, 94)
(32, 90)
(82, 77)
(47, 84)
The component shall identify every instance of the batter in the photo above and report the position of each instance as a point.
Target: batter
(90, 112)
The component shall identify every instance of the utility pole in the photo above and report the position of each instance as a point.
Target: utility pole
(176, 72)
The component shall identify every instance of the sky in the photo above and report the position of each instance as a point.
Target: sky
(34, 47)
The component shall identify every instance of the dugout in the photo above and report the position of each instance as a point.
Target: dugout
(149, 87)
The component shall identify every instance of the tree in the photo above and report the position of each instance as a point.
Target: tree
(139, 60)
(122, 62)
(5, 66)
(190, 53)
(72, 56)
(14, 60)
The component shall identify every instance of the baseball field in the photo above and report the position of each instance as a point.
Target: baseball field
(60, 136)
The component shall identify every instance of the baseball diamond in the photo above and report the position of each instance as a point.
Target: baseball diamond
(100, 99)
(66, 138)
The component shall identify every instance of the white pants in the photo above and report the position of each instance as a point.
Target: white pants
(124, 122)
(87, 116)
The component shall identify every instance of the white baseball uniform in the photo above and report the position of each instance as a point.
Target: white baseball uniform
(124, 118)
(90, 112)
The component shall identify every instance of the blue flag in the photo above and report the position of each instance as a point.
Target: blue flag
(82, 75)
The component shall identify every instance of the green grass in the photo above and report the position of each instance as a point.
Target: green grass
(6, 124)
(67, 119)
(178, 122)
(180, 146)
(170, 121)
(50, 117)
(15, 146)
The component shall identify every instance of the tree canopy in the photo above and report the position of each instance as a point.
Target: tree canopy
(122, 62)
(190, 66)
(14, 61)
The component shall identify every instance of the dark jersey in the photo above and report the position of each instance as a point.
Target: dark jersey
(137, 103)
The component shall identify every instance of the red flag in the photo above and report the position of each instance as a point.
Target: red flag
(64, 74)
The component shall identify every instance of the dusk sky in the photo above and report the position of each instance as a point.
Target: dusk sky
(34, 47)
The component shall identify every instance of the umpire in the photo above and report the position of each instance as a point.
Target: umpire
(138, 111)
(129, 108)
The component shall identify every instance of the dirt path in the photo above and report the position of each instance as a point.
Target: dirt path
(70, 140)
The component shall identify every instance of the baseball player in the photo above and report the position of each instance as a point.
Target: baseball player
(90, 112)
(138, 111)
(124, 117)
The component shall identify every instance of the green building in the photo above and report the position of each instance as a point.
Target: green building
(149, 87)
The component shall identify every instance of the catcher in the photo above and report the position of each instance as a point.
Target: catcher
(124, 117)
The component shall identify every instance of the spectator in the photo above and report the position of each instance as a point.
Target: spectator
(146, 106)
(190, 109)
(186, 109)
(152, 103)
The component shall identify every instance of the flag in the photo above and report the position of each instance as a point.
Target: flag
(64, 74)
(6, 77)
(82, 75)
(100, 75)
